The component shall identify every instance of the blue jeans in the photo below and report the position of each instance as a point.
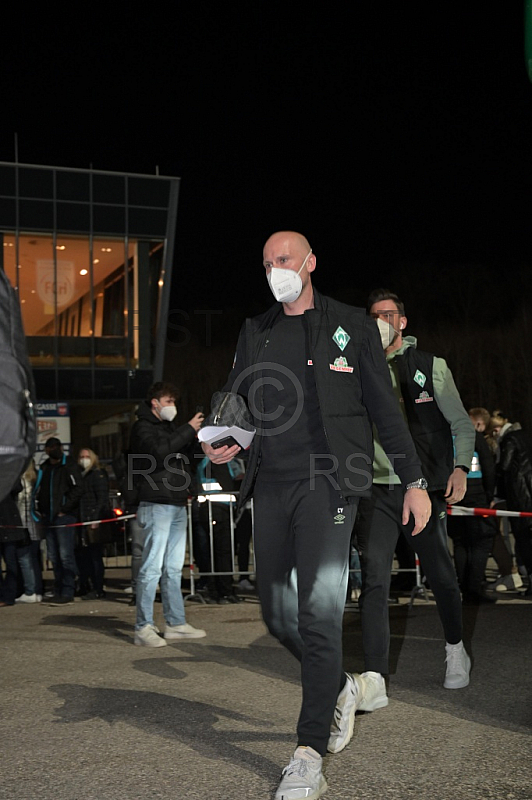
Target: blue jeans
(36, 562)
(25, 562)
(9, 585)
(137, 535)
(60, 543)
(163, 556)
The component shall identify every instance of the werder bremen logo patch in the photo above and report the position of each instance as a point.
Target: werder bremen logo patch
(419, 378)
(341, 338)
(341, 365)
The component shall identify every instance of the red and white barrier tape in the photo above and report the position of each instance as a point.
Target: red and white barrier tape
(464, 511)
(74, 524)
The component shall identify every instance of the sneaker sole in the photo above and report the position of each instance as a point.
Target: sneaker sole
(171, 636)
(322, 788)
(60, 605)
(141, 643)
(461, 685)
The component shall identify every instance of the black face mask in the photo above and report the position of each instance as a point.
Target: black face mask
(55, 453)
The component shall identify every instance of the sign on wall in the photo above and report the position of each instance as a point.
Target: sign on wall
(53, 419)
(48, 288)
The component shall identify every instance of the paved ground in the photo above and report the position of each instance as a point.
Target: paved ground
(85, 715)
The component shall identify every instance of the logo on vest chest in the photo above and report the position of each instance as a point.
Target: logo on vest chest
(341, 337)
(341, 365)
(419, 378)
(424, 397)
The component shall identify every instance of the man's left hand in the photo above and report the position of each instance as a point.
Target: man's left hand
(456, 486)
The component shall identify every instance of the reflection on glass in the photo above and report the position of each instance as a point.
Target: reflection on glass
(69, 324)
(54, 284)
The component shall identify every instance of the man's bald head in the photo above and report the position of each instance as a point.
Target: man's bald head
(295, 242)
(288, 250)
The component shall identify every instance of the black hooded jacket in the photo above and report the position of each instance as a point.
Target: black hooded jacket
(58, 489)
(514, 470)
(159, 458)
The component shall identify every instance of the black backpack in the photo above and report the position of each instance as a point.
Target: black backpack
(18, 429)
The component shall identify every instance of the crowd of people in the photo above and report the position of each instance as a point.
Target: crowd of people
(51, 504)
(500, 477)
(361, 438)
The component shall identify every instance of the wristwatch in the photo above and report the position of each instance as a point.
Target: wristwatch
(421, 483)
(461, 466)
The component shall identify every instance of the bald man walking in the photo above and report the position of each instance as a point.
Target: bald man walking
(313, 373)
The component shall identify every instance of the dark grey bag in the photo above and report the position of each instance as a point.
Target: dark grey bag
(18, 429)
(229, 408)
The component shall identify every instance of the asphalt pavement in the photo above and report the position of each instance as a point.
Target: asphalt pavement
(86, 715)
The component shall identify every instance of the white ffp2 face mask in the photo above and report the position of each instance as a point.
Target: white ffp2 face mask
(167, 413)
(286, 285)
(84, 462)
(387, 333)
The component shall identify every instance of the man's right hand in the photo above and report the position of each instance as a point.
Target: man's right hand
(417, 502)
(197, 421)
(220, 455)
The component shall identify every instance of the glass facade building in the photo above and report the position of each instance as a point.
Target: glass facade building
(90, 254)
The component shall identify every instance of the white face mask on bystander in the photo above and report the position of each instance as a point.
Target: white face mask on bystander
(167, 413)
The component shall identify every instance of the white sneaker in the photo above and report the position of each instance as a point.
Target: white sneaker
(185, 631)
(458, 666)
(373, 692)
(343, 721)
(148, 637)
(302, 779)
(507, 582)
(245, 585)
(28, 598)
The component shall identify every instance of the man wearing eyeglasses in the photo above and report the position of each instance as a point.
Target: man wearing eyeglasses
(444, 438)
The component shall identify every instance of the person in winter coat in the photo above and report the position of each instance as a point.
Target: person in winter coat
(12, 545)
(94, 505)
(159, 468)
(58, 490)
(30, 558)
(473, 536)
(514, 484)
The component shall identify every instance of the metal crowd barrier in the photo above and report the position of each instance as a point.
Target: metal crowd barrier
(120, 558)
(195, 574)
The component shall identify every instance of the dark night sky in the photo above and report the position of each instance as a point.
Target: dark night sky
(397, 138)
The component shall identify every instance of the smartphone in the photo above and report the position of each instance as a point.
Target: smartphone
(199, 409)
(227, 440)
